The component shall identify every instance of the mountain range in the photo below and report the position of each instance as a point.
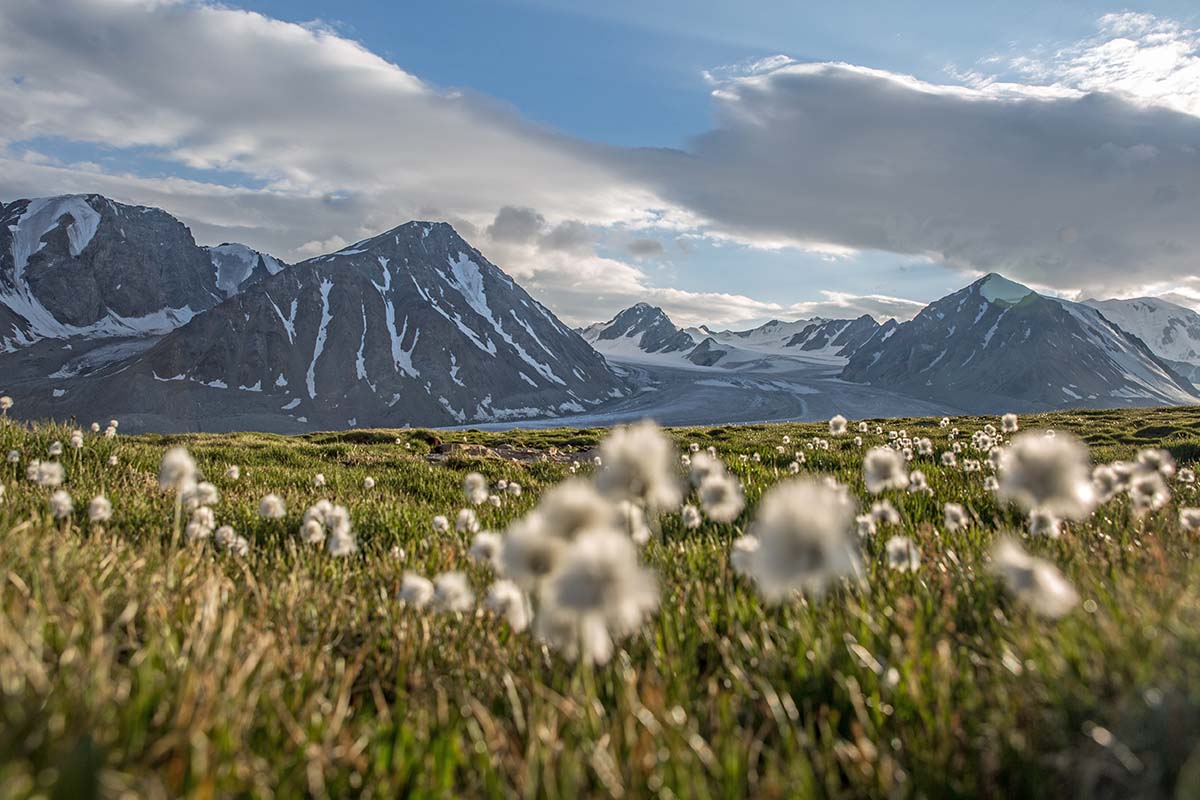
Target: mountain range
(113, 309)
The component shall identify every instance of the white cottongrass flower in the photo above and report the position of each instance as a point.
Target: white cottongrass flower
(949, 459)
(6, 403)
(1043, 523)
(506, 600)
(574, 506)
(954, 516)
(452, 593)
(917, 483)
(1159, 461)
(204, 516)
(177, 470)
(112, 423)
(632, 520)
(341, 540)
(902, 554)
(77, 440)
(200, 526)
(1186, 475)
(690, 516)
(46, 474)
(227, 539)
(440, 524)
(837, 425)
(233, 472)
(466, 521)
(112, 460)
(312, 531)
(721, 498)
(513, 489)
(884, 513)
(1008, 423)
(598, 592)
(485, 549)
(494, 500)
(1105, 483)
(528, 553)
(224, 536)
(272, 507)
(807, 539)
(95, 427)
(639, 464)
(991, 484)
(865, 524)
(1148, 492)
(945, 423)
(924, 447)
(61, 505)
(325, 523)
(368, 483)
(110, 432)
(475, 488)
(319, 479)
(100, 509)
(884, 469)
(1050, 474)
(741, 554)
(862, 427)
(1036, 582)
(415, 590)
(56, 449)
(1189, 518)
(703, 466)
(14, 457)
(194, 495)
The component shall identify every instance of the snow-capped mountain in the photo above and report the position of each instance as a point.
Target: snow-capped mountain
(772, 336)
(238, 266)
(1171, 331)
(639, 329)
(84, 265)
(645, 334)
(997, 342)
(413, 326)
(838, 337)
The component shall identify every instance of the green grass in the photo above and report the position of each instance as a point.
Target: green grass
(128, 668)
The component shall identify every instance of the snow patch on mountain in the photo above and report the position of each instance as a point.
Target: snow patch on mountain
(998, 289)
(41, 216)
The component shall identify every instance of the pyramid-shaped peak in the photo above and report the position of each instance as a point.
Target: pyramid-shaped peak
(998, 289)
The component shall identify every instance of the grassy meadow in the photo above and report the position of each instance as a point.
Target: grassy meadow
(134, 663)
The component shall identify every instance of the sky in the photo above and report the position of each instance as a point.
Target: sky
(730, 162)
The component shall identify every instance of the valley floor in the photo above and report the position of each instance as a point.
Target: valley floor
(779, 389)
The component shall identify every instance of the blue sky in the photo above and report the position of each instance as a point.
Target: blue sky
(886, 153)
(631, 73)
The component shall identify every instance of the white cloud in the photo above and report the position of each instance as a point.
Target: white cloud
(1139, 56)
(1050, 184)
(1079, 169)
(299, 110)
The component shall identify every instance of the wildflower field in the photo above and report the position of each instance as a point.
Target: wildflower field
(878, 608)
